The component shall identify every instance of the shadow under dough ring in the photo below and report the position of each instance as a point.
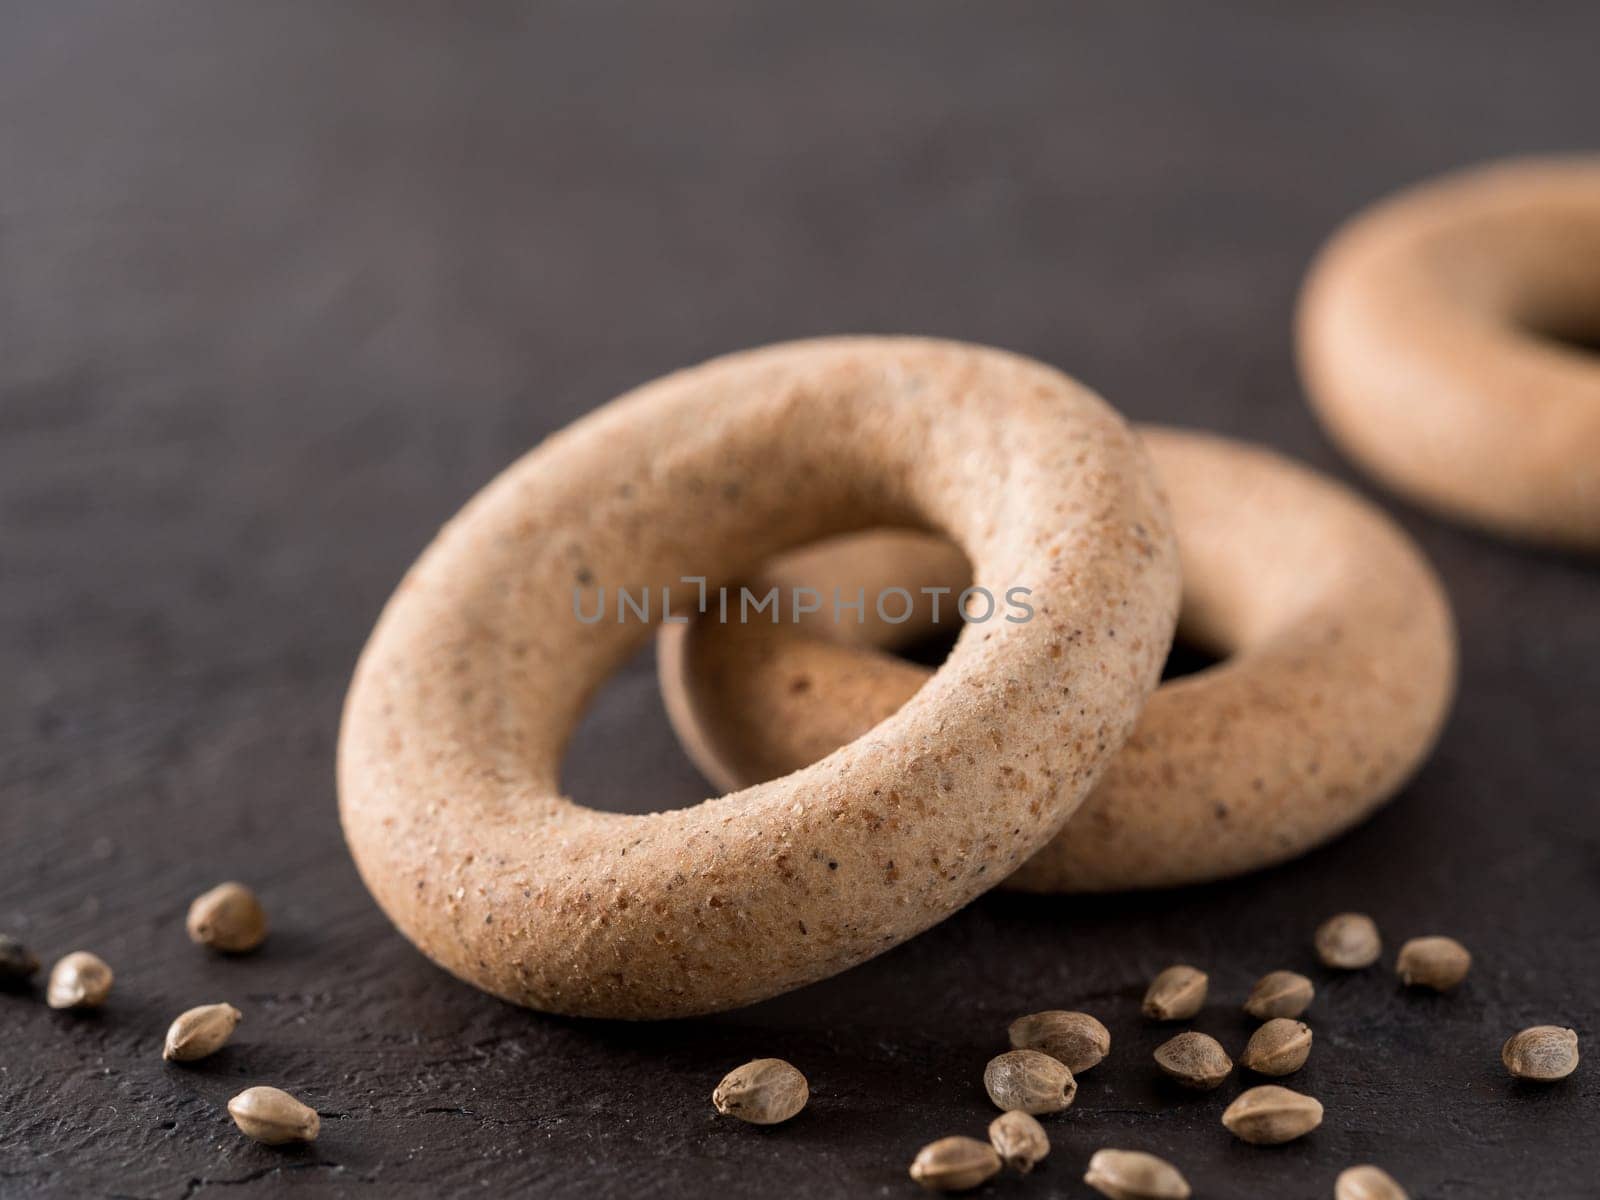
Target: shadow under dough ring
(1338, 669)
(1447, 341)
(482, 662)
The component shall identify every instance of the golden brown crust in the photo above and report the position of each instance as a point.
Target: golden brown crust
(1340, 669)
(1431, 341)
(477, 672)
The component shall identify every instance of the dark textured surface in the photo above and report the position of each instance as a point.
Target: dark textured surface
(282, 285)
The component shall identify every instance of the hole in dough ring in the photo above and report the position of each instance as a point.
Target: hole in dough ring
(1338, 669)
(1447, 339)
(478, 669)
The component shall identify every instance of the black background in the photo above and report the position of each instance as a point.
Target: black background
(282, 285)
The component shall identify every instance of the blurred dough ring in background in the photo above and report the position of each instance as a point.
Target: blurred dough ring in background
(479, 668)
(1339, 668)
(1431, 343)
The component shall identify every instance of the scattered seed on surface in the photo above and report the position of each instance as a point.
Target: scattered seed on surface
(228, 918)
(1195, 1060)
(1135, 1175)
(1367, 1183)
(1073, 1038)
(80, 980)
(1280, 994)
(1019, 1140)
(766, 1091)
(1544, 1052)
(199, 1032)
(1433, 962)
(1279, 1047)
(1176, 994)
(1268, 1115)
(18, 964)
(272, 1116)
(954, 1164)
(1348, 942)
(1029, 1081)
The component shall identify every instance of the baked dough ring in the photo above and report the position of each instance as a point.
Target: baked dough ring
(1340, 666)
(1429, 342)
(478, 669)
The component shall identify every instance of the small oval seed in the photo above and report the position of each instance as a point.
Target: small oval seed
(954, 1164)
(1019, 1140)
(1433, 962)
(1073, 1038)
(17, 963)
(272, 1116)
(766, 1091)
(227, 918)
(1029, 1081)
(1544, 1052)
(1195, 1060)
(1135, 1175)
(1367, 1183)
(1280, 994)
(1348, 942)
(1176, 994)
(80, 980)
(199, 1032)
(1269, 1115)
(1280, 1047)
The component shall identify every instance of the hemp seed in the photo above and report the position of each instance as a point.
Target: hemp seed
(1348, 942)
(227, 918)
(1029, 1081)
(766, 1091)
(1280, 1047)
(1073, 1038)
(1544, 1052)
(273, 1117)
(1196, 1060)
(1433, 962)
(1135, 1175)
(1367, 1183)
(199, 1032)
(954, 1164)
(1270, 1115)
(1019, 1140)
(1279, 994)
(18, 964)
(1176, 994)
(80, 980)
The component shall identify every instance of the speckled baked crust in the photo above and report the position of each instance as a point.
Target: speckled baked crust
(1430, 341)
(478, 670)
(1339, 669)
